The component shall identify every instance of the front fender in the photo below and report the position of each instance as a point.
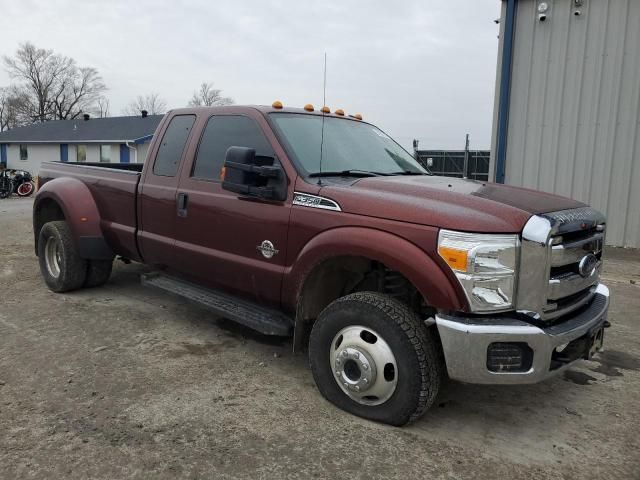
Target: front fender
(393, 251)
(80, 212)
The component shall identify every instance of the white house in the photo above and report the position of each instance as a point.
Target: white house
(113, 139)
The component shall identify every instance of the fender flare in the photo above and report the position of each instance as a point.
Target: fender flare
(81, 213)
(395, 252)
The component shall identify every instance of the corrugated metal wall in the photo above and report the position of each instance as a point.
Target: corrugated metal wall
(574, 107)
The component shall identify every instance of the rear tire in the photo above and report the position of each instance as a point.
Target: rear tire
(98, 272)
(396, 345)
(60, 264)
(25, 189)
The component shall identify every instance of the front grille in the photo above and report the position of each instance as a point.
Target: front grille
(568, 287)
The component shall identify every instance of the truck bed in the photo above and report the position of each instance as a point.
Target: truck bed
(114, 188)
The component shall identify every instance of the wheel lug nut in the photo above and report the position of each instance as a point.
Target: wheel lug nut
(357, 355)
(357, 388)
(365, 381)
(345, 353)
(365, 366)
(337, 361)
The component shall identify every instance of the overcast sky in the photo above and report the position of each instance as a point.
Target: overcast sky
(417, 68)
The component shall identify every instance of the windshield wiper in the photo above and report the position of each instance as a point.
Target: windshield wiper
(348, 173)
(408, 172)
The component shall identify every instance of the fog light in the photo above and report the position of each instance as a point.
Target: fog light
(509, 357)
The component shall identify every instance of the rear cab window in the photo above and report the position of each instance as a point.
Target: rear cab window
(172, 145)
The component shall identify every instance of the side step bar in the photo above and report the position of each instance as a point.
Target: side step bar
(264, 320)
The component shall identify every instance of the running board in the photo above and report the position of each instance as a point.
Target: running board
(264, 320)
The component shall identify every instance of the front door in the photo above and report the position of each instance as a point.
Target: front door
(157, 211)
(220, 235)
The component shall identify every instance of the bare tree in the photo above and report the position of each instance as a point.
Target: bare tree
(208, 96)
(52, 85)
(103, 107)
(151, 102)
(77, 92)
(13, 105)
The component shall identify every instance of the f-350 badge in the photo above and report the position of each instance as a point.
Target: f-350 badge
(267, 249)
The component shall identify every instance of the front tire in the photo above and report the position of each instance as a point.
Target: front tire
(372, 356)
(60, 264)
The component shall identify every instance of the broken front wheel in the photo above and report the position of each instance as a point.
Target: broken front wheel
(371, 355)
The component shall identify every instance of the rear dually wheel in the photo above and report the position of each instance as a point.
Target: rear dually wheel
(60, 264)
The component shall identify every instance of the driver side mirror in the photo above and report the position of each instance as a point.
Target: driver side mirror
(253, 175)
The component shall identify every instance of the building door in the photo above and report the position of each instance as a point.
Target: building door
(3, 155)
(124, 153)
(64, 152)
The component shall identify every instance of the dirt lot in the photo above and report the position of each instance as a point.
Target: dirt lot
(122, 381)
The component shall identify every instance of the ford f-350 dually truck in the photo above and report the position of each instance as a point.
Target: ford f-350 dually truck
(318, 225)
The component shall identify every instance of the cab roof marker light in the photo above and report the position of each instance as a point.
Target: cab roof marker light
(308, 107)
(325, 109)
(339, 112)
(277, 104)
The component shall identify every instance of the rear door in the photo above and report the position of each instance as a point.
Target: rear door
(219, 233)
(158, 202)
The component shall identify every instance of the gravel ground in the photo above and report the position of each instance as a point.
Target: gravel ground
(123, 381)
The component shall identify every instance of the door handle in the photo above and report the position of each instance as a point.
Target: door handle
(183, 200)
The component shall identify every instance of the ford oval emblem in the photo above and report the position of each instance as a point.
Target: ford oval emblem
(587, 265)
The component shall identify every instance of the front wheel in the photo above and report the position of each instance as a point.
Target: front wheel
(372, 356)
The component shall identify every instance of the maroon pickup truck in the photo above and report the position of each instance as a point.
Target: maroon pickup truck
(319, 226)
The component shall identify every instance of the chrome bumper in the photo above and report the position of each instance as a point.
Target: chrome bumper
(465, 341)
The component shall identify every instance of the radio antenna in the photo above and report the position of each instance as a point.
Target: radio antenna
(324, 102)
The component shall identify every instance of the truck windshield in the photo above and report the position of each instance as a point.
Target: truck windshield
(348, 146)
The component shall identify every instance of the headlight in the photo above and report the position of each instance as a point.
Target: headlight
(485, 266)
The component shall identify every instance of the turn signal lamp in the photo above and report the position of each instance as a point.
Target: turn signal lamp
(325, 109)
(339, 112)
(277, 104)
(308, 107)
(456, 259)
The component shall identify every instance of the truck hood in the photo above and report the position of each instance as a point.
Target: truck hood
(445, 202)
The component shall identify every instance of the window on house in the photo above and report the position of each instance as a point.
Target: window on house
(24, 153)
(105, 153)
(81, 153)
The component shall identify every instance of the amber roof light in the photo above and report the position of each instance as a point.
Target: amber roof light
(277, 104)
(308, 107)
(339, 112)
(325, 109)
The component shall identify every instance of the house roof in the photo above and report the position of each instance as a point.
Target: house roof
(105, 130)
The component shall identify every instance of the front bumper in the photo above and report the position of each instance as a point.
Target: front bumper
(466, 341)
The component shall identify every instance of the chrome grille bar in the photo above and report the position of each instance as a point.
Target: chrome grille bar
(572, 252)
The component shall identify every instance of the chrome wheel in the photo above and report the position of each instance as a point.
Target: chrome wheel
(53, 256)
(363, 365)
